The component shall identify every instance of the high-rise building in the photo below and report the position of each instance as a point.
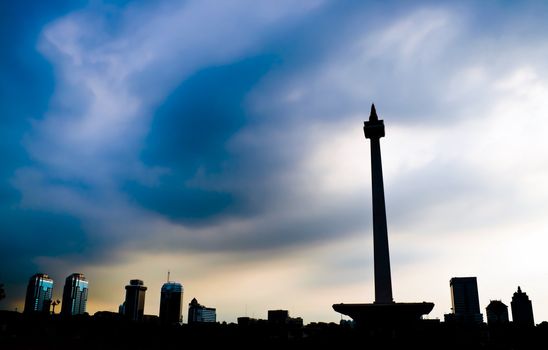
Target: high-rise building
(171, 303)
(465, 300)
(198, 313)
(497, 312)
(278, 317)
(522, 309)
(75, 295)
(39, 294)
(134, 305)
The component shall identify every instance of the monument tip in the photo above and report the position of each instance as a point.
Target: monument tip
(373, 116)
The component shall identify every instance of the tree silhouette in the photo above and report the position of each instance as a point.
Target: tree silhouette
(2, 292)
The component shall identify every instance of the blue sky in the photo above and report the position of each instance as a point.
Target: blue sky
(222, 141)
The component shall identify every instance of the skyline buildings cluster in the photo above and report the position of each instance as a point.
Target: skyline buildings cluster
(466, 306)
(39, 295)
(39, 299)
(464, 300)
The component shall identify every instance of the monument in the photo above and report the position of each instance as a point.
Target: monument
(384, 309)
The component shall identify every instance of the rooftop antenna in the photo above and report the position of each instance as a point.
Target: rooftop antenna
(167, 276)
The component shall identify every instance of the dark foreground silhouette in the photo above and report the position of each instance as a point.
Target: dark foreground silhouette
(106, 330)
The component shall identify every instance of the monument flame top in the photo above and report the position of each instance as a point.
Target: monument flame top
(374, 128)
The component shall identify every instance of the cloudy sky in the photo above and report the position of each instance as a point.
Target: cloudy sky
(222, 140)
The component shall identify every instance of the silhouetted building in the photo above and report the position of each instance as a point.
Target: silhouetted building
(171, 303)
(296, 322)
(248, 321)
(278, 317)
(39, 294)
(151, 319)
(75, 295)
(497, 313)
(281, 318)
(522, 309)
(198, 313)
(134, 305)
(107, 315)
(465, 300)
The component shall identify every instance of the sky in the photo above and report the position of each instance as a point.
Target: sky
(223, 141)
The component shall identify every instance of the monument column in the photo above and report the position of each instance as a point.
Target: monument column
(374, 130)
(384, 311)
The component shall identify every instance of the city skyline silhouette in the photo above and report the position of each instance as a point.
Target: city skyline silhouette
(223, 142)
(383, 311)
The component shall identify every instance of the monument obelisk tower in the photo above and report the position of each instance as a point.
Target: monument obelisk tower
(374, 130)
(384, 311)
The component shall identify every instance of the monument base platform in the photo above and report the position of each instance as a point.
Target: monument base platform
(382, 314)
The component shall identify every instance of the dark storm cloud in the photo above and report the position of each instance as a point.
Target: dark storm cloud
(27, 234)
(26, 85)
(26, 78)
(191, 131)
(188, 135)
(279, 231)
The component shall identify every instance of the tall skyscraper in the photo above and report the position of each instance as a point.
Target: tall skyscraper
(134, 305)
(198, 313)
(171, 303)
(465, 299)
(522, 309)
(39, 294)
(497, 312)
(75, 295)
